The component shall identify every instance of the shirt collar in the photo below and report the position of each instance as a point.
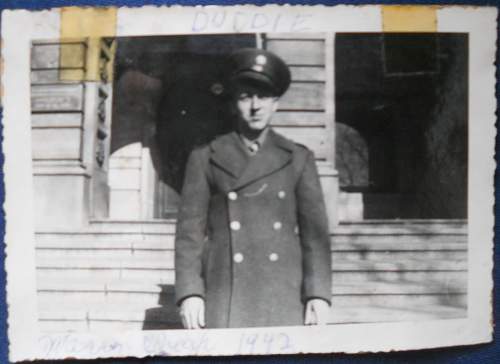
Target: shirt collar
(250, 144)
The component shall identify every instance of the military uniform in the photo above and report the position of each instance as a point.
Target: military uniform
(252, 234)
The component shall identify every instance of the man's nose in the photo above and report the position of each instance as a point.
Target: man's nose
(256, 102)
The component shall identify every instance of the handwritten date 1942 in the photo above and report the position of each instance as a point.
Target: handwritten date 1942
(265, 343)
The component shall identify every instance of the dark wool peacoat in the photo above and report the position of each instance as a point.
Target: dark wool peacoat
(252, 233)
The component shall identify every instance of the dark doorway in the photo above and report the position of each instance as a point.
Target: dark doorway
(401, 108)
(171, 95)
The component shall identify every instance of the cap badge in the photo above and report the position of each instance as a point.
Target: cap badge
(261, 59)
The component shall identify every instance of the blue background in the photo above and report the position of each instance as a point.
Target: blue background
(487, 353)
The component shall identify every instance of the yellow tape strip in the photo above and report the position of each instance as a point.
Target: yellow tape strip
(88, 25)
(408, 18)
(88, 22)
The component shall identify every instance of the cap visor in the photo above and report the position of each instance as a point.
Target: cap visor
(254, 80)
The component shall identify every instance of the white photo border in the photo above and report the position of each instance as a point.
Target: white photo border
(20, 27)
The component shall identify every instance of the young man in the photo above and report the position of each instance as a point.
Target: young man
(252, 245)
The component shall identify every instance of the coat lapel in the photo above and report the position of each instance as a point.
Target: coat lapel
(229, 155)
(274, 155)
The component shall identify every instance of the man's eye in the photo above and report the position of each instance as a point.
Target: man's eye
(244, 97)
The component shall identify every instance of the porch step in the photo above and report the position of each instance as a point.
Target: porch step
(120, 275)
(66, 257)
(372, 286)
(153, 226)
(351, 314)
(142, 301)
(372, 227)
(104, 241)
(114, 241)
(142, 297)
(165, 261)
(159, 235)
(108, 318)
(404, 227)
(414, 313)
(446, 279)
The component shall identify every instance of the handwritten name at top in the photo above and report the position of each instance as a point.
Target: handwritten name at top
(241, 21)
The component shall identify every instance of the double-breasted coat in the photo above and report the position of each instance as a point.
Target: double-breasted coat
(252, 233)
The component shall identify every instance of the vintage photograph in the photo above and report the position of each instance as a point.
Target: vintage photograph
(256, 180)
(208, 175)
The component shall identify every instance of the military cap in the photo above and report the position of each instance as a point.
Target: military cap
(260, 68)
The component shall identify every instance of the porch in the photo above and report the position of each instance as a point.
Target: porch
(119, 275)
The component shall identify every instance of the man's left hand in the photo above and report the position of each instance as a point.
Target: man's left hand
(317, 312)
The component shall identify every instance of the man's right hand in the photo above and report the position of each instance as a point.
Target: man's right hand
(193, 312)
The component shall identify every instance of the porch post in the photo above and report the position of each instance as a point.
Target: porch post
(328, 173)
(71, 102)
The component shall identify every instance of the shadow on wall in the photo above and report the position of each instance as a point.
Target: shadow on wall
(171, 95)
(165, 317)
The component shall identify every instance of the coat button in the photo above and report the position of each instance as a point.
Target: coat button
(235, 225)
(254, 148)
(273, 257)
(232, 196)
(238, 258)
(281, 195)
(277, 225)
(296, 230)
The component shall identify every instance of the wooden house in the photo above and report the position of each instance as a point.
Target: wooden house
(114, 119)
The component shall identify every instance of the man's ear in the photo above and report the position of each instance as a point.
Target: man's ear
(275, 104)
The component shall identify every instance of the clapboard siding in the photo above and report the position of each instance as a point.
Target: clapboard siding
(312, 137)
(304, 97)
(308, 74)
(45, 56)
(56, 106)
(418, 272)
(125, 181)
(54, 76)
(56, 143)
(310, 52)
(294, 118)
(57, 97)
(60, 55)
(58, 63)
(57, 120)
(45, 76)
(304, 104)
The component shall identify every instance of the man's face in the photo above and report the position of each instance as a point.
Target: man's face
(255, 108)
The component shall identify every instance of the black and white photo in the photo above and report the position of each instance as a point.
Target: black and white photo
(248, 181)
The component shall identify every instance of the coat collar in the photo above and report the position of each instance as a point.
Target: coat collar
(228, 153)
